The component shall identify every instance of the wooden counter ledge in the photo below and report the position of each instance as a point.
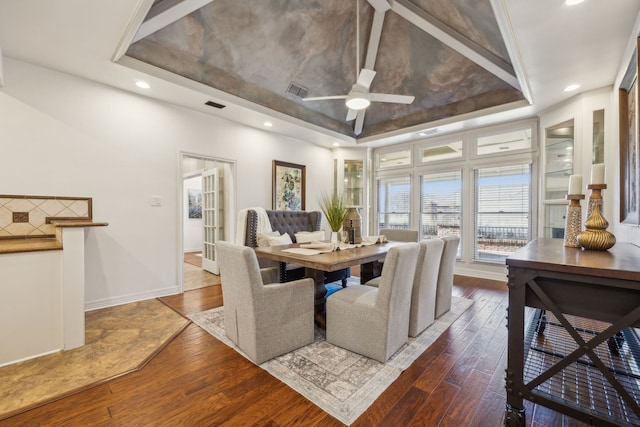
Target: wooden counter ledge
(35, 243)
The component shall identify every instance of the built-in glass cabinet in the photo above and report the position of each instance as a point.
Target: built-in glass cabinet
(353, 176)
(558, 166)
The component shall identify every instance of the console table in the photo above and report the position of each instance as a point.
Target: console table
(577, 368)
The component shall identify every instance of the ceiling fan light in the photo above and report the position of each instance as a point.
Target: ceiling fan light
(357, 101)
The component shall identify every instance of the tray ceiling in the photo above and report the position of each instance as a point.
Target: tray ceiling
(449, 55)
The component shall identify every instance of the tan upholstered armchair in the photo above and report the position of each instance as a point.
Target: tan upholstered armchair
(263, 320)
(374, 322)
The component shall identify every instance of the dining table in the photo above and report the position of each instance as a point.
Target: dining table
(316, 261)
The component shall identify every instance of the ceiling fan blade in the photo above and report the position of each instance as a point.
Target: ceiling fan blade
(351, 114)
(366, 77)
(321, 98)
(387, 97)
(357, 128)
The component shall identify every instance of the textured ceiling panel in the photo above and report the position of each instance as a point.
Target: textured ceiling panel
(256, 49)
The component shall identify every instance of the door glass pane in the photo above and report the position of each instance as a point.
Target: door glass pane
(598, 137)
(503, 211)
(434, 153)
(354, 182)
(558, 152)
(504, 142)
(394, 159)
(394, 202)
(441, 205)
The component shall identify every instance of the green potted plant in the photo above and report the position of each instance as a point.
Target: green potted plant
(334, 208)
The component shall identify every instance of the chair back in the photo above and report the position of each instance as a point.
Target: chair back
(445, 276)
(241, 279)
(400, 235)
(423, 295)
(394, 291)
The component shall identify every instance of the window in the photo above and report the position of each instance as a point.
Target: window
(502, 214)
(504, 142)
(441, 204)
(477, 184)
(394, 159)
(394, 202)
(440, 152)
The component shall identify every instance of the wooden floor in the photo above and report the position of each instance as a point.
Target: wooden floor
(198, 381)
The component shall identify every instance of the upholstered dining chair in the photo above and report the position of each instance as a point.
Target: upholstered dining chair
(445, 276)
(264, 320)
(400, 235)
(374, 321)
(373, 270)
(425, 281)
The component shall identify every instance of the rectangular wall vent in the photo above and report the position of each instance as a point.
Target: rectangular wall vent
(214, 104)
(297, 90)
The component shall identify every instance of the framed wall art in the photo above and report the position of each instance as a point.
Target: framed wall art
(629, 145)
(195, 203)
(288, 186)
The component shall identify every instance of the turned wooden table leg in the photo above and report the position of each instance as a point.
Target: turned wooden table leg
(319, 309)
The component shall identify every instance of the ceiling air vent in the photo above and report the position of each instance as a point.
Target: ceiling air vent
(214, 104)
(297, 90)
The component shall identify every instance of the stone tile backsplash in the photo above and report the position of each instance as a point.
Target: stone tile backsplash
(30, 216)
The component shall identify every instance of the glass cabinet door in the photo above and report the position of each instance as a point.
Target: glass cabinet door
(558, 153)
(354, 182)
(558, 158)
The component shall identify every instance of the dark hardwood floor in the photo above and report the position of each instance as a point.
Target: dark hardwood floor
(198, 381)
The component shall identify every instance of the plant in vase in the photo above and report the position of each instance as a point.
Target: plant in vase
(334, 208)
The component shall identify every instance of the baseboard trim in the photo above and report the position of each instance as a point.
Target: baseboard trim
(125, 299)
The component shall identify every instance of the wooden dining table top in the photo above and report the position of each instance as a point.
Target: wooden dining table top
(328, 261)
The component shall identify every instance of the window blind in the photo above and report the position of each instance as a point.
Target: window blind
(394, 202)
(502, 211)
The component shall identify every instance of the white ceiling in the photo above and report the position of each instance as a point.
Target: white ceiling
(554, 44)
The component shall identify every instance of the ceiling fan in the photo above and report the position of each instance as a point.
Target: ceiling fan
(359, 96)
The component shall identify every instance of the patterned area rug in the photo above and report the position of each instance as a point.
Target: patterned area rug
(342, 383)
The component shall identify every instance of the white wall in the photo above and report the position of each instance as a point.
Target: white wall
(64, 136)
(30, 305)
(623, 232)
(192, 230)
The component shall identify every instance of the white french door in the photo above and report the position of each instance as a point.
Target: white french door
(211, 218)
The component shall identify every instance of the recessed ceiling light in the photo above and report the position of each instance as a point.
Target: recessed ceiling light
(572, 2)
(268, 124)
(142, 85)
(336, 144)
(571, 87)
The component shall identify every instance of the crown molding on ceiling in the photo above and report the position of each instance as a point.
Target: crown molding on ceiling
(167, 12)
(506, 29)
(447, 35)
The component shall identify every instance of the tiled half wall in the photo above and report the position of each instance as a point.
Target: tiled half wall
(31, 216)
